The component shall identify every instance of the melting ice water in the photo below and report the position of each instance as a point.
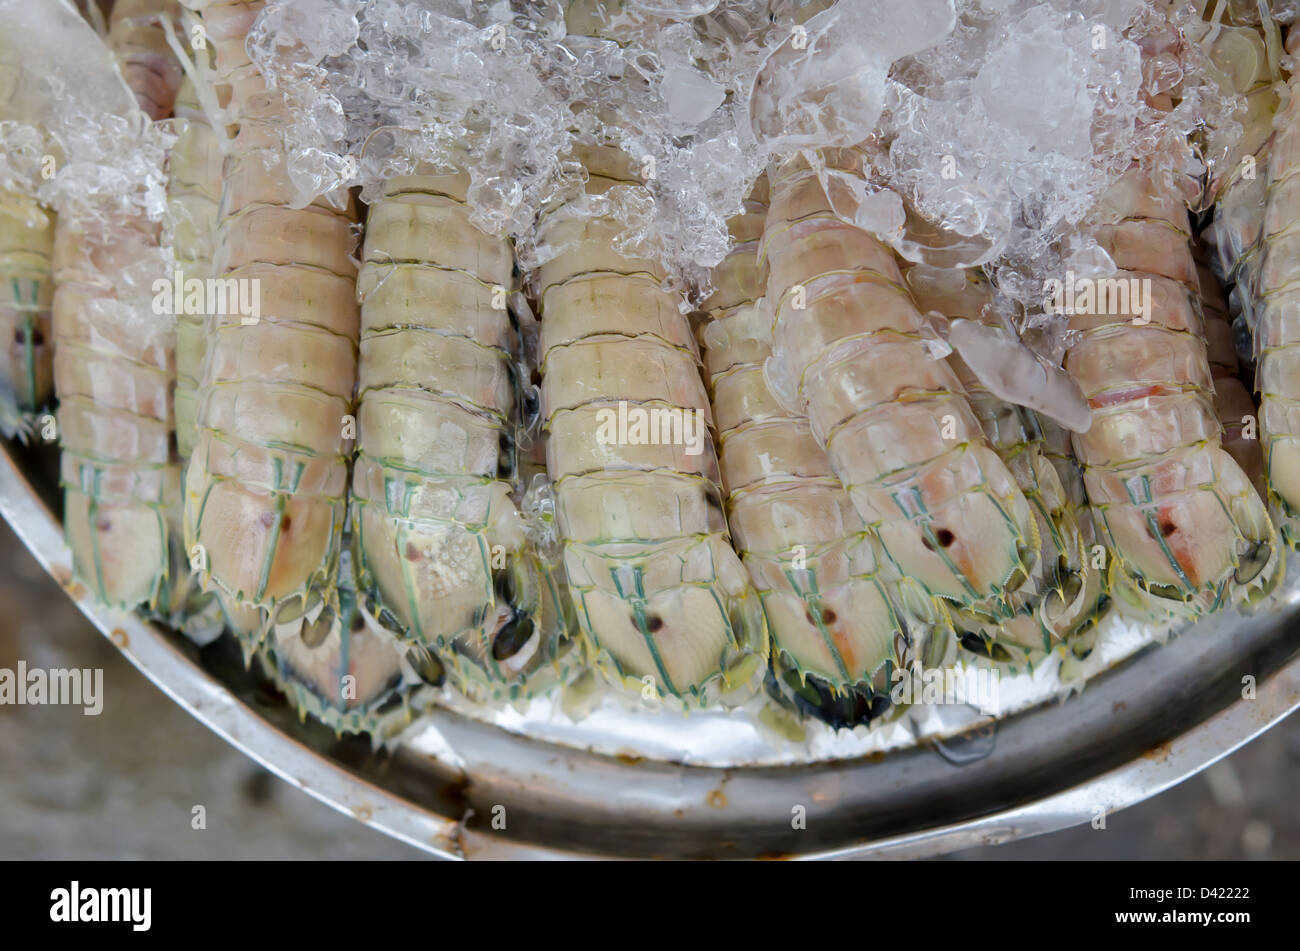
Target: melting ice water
(969, 747)
(977, 740)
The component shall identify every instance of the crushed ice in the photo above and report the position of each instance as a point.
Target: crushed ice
(994, 126)
(74, 139)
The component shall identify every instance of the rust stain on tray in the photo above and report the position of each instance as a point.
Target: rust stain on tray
(119, 638)
(1159, 753)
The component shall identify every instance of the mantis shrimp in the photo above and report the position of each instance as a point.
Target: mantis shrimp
(1276, 327)
(439, 540)
(895, 423)
(1182, 521)
(662, 600)
(1075, 589)
(265, 492)
(1246, 60)
(26, 294)
(114, 373)
(266, 482)
(837, 635)
(26, 284)
(193, 191)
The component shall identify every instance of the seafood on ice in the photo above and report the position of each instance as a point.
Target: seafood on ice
(672, 370)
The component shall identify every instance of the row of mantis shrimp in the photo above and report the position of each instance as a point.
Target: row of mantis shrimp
(395, 476)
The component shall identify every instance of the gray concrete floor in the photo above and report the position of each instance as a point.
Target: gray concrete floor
(124, 784)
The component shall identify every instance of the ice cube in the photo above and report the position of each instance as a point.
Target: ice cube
(691, 96)
(825, 84)
(1016, 374)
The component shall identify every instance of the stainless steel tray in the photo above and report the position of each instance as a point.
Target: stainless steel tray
(1138, 728)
